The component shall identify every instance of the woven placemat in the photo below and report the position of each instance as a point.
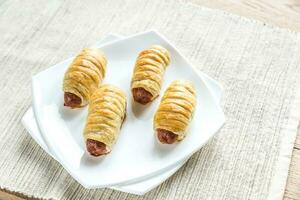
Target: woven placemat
(258, 65)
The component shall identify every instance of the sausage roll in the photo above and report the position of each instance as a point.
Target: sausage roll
(148, 73)
(107, 111)
(175, 112)
(83, 76)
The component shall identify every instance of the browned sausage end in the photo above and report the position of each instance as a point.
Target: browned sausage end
(71, 100)
(165, 136)
(96, 148)
(141, 95)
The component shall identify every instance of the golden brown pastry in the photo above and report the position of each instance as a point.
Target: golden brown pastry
(175, 112)
(148, 73)
(83, 76)
(107, 111)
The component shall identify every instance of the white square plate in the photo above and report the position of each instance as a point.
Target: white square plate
(137, 155)
(142, 186)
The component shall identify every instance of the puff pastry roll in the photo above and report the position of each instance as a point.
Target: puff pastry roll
(175, 112)
(107, 111)
(83, 76)
(148, 73)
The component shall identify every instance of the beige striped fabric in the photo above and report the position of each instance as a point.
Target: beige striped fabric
(258, 65)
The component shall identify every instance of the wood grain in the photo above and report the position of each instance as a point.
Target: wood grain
(9, 196)
(283, 13)
(292, 190)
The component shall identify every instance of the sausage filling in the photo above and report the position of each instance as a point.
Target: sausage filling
(72, 100)
(165, 136)
(96, 148)
(141, 95)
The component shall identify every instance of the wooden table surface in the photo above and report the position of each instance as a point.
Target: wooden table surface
(282, 13)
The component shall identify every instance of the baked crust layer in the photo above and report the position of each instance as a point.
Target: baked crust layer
(84, 75)
(107, 110)
(149, 70)
(176, 108)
